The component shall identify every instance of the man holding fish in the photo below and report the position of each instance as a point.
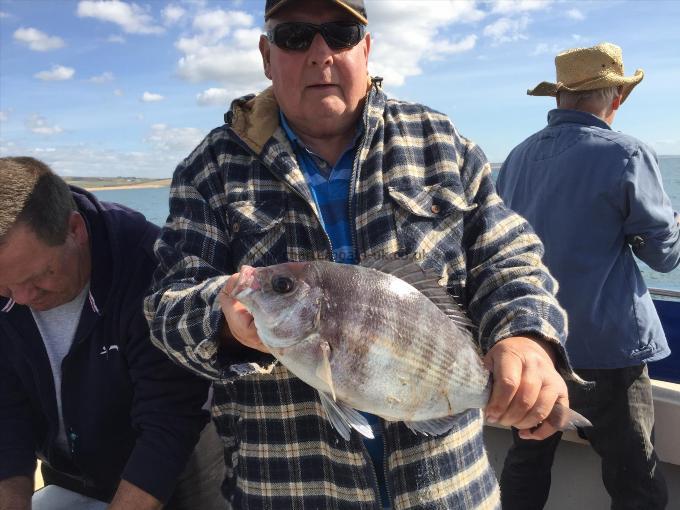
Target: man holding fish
(323, 166)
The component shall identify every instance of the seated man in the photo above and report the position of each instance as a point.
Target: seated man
(81, 386)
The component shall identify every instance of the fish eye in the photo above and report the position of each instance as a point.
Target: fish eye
(282, 284)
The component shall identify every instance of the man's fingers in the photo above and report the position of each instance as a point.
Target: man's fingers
(539, 410)
(522, 404)
(239, 320)
(507, 370)
(231, 283)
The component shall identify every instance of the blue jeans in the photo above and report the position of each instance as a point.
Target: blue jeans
(621, 410)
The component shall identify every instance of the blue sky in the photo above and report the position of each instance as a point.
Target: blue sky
(111, 88)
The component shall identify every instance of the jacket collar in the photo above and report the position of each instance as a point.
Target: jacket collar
(562, 116)
(255, 121)
(255, 118)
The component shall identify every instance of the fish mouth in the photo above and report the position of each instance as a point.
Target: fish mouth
(246, 284)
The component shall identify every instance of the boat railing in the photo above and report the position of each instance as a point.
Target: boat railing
(664, 292)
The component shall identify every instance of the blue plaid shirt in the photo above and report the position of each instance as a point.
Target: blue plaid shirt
(329, 185)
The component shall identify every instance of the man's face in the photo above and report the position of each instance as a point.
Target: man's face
(320, 90)
(40, 276)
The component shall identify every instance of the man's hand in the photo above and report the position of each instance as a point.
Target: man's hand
(130, 497)
(16, 493)
(526, 386)
(240, 324)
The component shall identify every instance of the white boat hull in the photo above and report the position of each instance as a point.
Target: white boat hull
(576, 473)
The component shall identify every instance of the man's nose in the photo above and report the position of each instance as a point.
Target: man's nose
(319, 53)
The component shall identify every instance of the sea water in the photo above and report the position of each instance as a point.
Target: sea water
(153, 203)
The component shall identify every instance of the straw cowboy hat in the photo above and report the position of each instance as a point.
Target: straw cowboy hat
(587, 69)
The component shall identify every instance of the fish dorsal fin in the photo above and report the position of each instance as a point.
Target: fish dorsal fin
(343, 417)
(425, 281)
(435, 427)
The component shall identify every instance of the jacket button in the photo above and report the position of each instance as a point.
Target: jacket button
(435, 209)
(235, 227)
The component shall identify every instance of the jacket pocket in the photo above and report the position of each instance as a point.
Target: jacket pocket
(429, 220)
(257, 232)
(429, 201)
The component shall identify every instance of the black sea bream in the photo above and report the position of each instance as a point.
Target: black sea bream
(387, 340)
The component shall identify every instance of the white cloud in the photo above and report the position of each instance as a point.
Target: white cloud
(181, 140)
(506, 7)
(3, 14)
(92, 160)
(3, 116)
(450, 48)
(116, 39)
(507, 29)
(543, 48)
(57, 73)
(404, 34)
(214, 96)
(132, 18)
(575, 14)
(223, 48)
(118, 92)
(105, 77)
(37, 40)
(172, 14)
(150, 97)
(38, 124)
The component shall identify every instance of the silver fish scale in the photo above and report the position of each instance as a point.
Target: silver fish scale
(394, 352)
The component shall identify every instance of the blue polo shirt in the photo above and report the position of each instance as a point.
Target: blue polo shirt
(329, 185)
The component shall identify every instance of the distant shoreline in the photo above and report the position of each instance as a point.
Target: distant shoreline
(117, 184)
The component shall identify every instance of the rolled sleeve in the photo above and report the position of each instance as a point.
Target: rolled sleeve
(510, 291)
(650, 225)
(182, 310)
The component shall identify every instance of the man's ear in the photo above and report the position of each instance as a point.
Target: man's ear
(77, 228)
(616, 102)
(265, 51)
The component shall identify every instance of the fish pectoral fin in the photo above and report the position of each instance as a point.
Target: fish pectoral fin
(435, 427)
(344, 418)
(323, 371)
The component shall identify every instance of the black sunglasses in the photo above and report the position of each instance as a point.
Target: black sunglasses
(298, 36)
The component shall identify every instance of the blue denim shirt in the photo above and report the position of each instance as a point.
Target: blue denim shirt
(329, 186)
(595, 198)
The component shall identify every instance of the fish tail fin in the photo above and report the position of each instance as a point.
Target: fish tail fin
(564, 418)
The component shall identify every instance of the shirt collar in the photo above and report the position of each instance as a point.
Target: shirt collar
(561, 116)
(296, 140)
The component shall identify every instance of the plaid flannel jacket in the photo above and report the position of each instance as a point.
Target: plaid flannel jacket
(418, 187)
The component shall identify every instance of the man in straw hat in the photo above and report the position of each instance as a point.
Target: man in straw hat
(323, 165)
(595, 198)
